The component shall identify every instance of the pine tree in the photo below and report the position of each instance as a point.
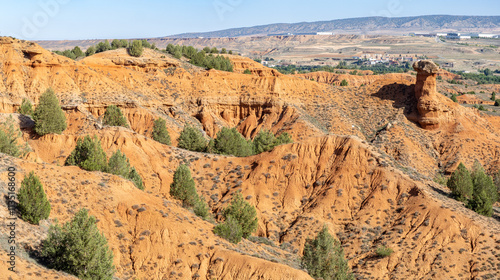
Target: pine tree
(88, 154)
(48, 115)
(136, 178)
(264, 141)
(77, 52)
(484, 194)
(160, 132)
(344, 83)
(244, 213)
(118, 164)
(114, 117)
(136, 48)
(183, 187)
(33, 203)
(79, 248)
(192, 139)
(231, 142)
(324, 258)
(201, 208)
(460, 184)
(26, 108)
(90, 51)
(230, 230)
(283, 138)
(9, 139)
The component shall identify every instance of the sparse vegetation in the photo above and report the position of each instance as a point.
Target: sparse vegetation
(344, 83)
(48, 115)
(324, 258)
(160, 132)
(383, 251)
(33, 203)
(247, 71)
(79, 248)
(192, 139)
(89, 155)
(114, 117)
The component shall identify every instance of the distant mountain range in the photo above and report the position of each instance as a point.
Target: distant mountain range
(365, 25)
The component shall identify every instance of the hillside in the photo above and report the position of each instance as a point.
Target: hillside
(364, 25)
(362, 163)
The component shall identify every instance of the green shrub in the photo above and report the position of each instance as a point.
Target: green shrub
(183, 187)
(497, 102)
(201, 208)
(79, 248)
(229, 230)
(344, 83)
(192, 139)
(134, 176)
(114, 117)
(283, 138)
(460, 184)
(324, 257)
(440, 179)
(48, 115)
(9, 139)
(33, 203)
(485, 192)
(160, 132)
(231, 142)
(26, 108)
(264, 141)
(119, 164)
(493, 96)
(90, 51)
(136, 48)
(383, 251)
(88, 154)
(453, 98)
(247, 71)
(244, 213)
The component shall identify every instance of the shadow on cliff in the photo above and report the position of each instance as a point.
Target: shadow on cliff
(403, 96)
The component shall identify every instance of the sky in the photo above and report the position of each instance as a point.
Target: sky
(123, 19)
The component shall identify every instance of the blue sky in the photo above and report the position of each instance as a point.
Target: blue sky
(92, 19)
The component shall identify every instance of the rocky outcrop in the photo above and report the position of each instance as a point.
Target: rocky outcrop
(429, 107)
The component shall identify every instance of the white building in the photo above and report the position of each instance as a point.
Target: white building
(457, 36)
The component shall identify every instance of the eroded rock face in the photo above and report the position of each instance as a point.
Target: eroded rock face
(429, 106)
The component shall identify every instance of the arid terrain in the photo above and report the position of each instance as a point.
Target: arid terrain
(363, 161)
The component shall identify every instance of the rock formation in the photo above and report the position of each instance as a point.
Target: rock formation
(429, 107)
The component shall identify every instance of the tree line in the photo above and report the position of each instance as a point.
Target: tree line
(134, 47)
(207, 58)
(475, 188)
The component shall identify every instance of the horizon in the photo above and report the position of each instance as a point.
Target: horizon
(91, 20)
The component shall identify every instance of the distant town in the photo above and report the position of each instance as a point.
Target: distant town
(452, 35)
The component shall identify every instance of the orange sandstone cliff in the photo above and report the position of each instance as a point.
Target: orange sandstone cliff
(362, 164)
